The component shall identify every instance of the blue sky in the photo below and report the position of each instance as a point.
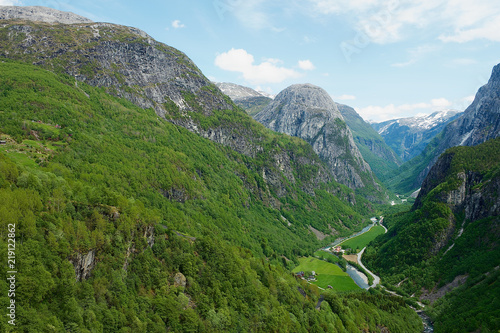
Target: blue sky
(387, 59)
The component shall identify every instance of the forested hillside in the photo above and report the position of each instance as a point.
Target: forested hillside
(126, 222)
(449, 239)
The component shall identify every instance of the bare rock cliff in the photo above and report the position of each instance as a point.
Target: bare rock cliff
(308, 112)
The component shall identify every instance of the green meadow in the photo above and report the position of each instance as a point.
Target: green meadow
(362, 240)
(326, 274)
(326, 256)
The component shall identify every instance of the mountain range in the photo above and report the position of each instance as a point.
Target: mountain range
(477, 124)
(408, 137)
(145, 199)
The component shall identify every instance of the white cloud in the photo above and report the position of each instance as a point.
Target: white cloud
(385, 21)
(306, 65)
(469, 99)
(340, 6)
(415, 54)
(253, 14)
(463, 62)
(239, 60)
(344, 98)
(488, 31)
(177, 24)
(463, 103)
(472, 20)
(391, 111)
(9, 2)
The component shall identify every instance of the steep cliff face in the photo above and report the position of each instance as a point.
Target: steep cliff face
(126, 61)
(308, 112)
(479, 122)
(470, 191)
(449, 238)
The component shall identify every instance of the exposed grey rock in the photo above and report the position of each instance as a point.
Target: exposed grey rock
(179, 280)
(40, 14)
(83, 265)
(149, 234)
(250, 100)
(475, 201)
(479, 122)
(236, 92)
(308, 112)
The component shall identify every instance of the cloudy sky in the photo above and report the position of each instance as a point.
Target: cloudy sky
(387, 59)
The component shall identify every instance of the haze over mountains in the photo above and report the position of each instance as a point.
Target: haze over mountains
(408, 137)
(146, 200)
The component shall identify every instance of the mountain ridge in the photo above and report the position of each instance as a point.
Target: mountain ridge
(41, 14)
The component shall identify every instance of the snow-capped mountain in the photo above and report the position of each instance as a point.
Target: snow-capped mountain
(409, 136)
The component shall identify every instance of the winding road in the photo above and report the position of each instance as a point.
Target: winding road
(376, 279)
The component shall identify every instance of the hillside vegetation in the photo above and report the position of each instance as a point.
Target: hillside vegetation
(449, 239)
(182, 229)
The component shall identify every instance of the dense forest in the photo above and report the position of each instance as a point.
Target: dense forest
(125, 222)
(442, 244)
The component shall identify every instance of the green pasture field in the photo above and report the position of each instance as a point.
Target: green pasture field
(326, 274)
(325, 255)
(361, 241)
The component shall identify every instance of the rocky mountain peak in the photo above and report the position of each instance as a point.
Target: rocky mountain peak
(309, 98)
(40, 14)
(237, 92)
(308, 112)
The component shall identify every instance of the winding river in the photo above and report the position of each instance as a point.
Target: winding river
(360, 278)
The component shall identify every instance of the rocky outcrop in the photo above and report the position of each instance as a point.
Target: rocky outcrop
(83, 265)
(179, 280)
(308, 112)
(435, 294)
(250, 100)
(479, 123)
(237, 92)
(40, 14)
(124, 60)
(474, 193)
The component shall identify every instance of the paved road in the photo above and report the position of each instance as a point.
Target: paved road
(376, 279)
